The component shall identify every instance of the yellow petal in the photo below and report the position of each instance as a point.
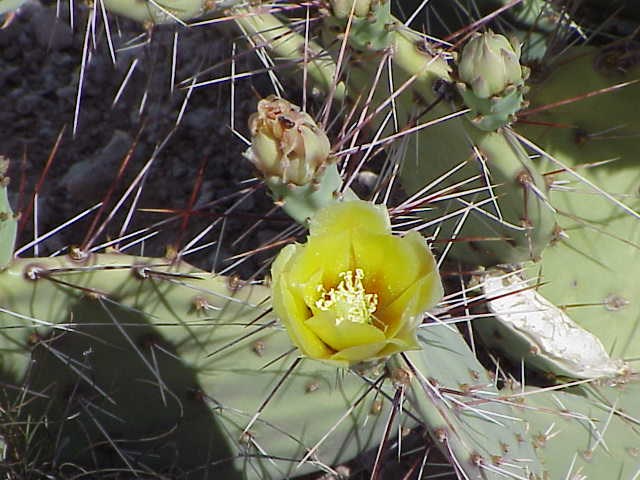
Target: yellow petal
(388, 269)
(359, 353)
(414, 241)
(406, 338)
(408, 308)
(345, 334)
(330, 254)
(292, 314)
(348, 216)
(291, 309)
(396, 346)
(309, 290)
(391, 264)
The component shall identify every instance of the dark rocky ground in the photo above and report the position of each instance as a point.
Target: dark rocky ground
(40, 64)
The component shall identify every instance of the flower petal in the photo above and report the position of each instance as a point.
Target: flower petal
(407, 309)
(359, 353)
(282, 262)
(347, 238)
(350, 216)
(391, 264)
(395, 345)
(294, 321)
(345, 334)
(330, 254)
(291, 309)
(308, 290)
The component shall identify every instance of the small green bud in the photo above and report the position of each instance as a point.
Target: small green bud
(491, 80)
(489, 63)
(343, 8)
(286, 144)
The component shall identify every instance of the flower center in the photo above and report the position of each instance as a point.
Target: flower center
(349, 300)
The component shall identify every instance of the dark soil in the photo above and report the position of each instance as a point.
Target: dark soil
(40, 64)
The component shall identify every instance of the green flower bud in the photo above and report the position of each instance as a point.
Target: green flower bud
(491, 80)
(342, 8)
(286, 143)
(489, 63)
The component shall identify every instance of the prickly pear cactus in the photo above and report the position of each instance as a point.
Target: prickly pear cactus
(592, 169)
(480, 188)
(601, 421)
(151, 367)
(139, 365)
(456, 400)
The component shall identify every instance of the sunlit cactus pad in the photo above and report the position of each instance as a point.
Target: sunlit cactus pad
(591, 433)
(592, 267)
(461, 407)
(134, 364)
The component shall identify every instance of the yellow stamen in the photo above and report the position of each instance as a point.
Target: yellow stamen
(349, 300)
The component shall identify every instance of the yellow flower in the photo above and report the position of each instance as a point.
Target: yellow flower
(286, 143)
(354, 292)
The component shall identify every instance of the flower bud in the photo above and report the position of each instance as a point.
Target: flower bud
(286, 143)
(489, 63)
(491, 80)
(343, 8)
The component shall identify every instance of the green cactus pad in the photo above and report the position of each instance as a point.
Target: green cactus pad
(591, 269)
(506, 218)
(267, 30)
(591, 433)
(458, 402)
(301, 202)
(142, 366)
(371, 24)
(490, 114)
(175, 11)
